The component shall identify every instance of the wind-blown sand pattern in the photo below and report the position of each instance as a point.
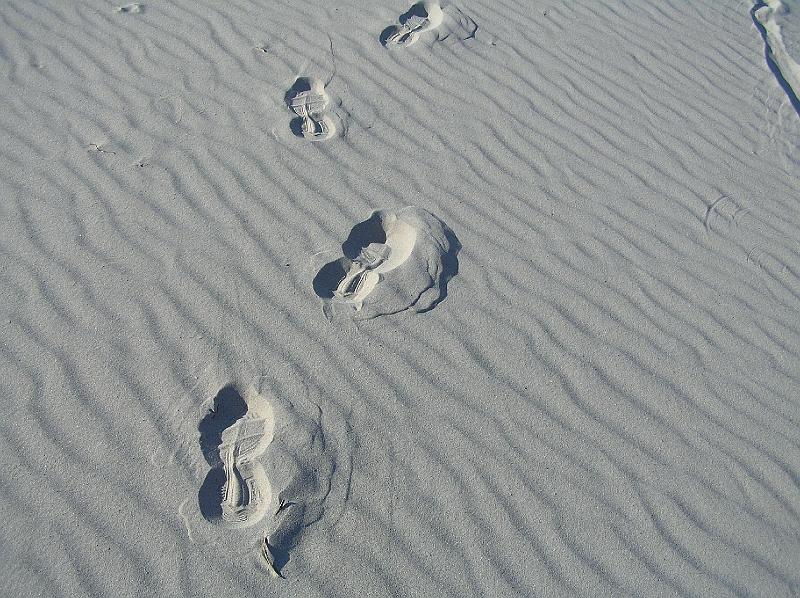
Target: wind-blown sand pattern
(604, 404)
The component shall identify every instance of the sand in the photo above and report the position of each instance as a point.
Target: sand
(565, 361)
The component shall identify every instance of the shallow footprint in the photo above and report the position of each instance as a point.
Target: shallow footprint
(236, 492)
(393, 261)
(423, 16)
(309, 101)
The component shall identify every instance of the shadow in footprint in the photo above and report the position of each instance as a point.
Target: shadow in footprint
(328, 278)
(361, 235)
(300, 85)
(386, 34)
(210, 491)
(229, 406)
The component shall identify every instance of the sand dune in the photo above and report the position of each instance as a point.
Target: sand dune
(603, 402)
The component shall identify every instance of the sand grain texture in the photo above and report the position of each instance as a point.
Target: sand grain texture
(604, 403)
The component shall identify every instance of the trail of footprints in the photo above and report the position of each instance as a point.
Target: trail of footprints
(395, 260)
(309, 101)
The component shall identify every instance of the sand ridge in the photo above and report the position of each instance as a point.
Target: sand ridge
(605, 401)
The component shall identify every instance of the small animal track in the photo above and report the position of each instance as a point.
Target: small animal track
(393, 261)
(309, 101)
(238, 429)
(423, 16)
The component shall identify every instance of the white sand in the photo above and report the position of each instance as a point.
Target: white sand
(605, 399)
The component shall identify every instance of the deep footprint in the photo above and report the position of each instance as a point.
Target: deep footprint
(309, 101)
(423, 16)
(236, 492)
(393, 261)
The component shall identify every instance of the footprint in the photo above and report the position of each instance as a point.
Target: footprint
(364, 273)
(236, 492)
(393, 261)
(423, 16)
(131, 8)
(309, 101)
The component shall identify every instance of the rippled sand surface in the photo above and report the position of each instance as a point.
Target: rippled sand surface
(601, 396)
